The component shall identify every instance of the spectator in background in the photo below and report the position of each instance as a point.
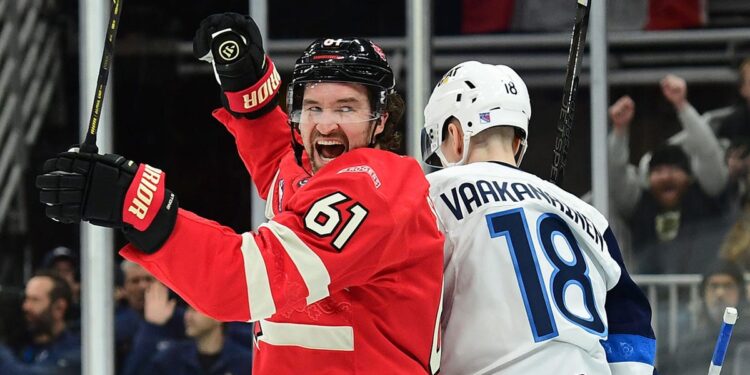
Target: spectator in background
(64, 262)
(161, 325)
(737, 124)
(736, 246)
(738, 165)
(682, 194)
(129, 319)
(723, 285)
(208, 351)
(52, 349)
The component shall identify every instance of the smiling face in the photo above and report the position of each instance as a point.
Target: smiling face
(668, 185)
(336, 117)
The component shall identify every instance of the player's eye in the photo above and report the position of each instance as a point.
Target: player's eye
(345, 109)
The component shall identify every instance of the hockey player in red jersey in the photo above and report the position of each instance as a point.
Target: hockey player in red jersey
(346, 277)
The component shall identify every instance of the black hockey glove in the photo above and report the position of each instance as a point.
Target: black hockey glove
(110, 191)
(233, 45)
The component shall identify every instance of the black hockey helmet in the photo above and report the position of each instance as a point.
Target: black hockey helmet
(347, 60)
(350, 60)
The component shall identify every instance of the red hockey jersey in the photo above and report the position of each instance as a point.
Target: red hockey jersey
(345, 279)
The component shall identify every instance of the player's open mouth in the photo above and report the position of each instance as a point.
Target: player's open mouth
(329, 149)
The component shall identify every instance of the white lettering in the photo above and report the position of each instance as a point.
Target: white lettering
(266, 89)
(138, 209)
(145, 192)
(152, 174)
(263, 91)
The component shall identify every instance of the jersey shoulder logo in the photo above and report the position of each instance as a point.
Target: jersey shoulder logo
(363, 169)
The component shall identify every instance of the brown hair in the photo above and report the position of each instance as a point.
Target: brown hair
(390, 139)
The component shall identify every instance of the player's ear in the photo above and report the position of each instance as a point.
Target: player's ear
(456, 137)
(516, 144)
(381, 123)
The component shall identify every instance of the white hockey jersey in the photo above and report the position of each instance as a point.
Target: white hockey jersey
(534, 280)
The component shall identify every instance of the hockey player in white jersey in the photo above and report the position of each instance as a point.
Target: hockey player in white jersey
(534, 278)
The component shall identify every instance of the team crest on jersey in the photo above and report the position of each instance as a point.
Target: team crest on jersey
(484, 118)
(378, 50)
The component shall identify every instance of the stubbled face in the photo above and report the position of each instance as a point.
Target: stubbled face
(721, 291)
(137, 279)
(336, 117)
(668, 185)
(37, 307)
(197, 324)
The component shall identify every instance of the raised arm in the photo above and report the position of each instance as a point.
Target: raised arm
(624, 184)
(700, 142)
(261, 143)
(249, 84)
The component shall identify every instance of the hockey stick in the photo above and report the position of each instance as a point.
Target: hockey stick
(89, 143)
(722, 343)
(567, 110)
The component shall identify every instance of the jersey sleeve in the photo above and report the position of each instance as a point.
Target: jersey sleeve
(336, 233)
(631, 344)
(261, 143)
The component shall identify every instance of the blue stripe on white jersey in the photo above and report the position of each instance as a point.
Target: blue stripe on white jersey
(631, 338)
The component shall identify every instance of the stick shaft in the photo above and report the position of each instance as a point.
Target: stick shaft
(567, 109)
(722, 342)
(89, 142)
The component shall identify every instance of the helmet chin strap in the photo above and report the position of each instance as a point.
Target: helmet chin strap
(372, 142)
(298, 149)
(520, 153)
(464, 153)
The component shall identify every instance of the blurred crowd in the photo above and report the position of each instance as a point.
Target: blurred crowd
(686, 202)
(684, 208)
(155, 332)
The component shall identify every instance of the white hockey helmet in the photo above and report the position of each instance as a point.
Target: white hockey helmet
(480, 96)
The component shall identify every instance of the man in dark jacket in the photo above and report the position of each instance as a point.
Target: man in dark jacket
(676, 224)
(723, 286)
(208, 352)
(52, 348)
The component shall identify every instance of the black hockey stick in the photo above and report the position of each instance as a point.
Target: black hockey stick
(568, 108)
(89, 143)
